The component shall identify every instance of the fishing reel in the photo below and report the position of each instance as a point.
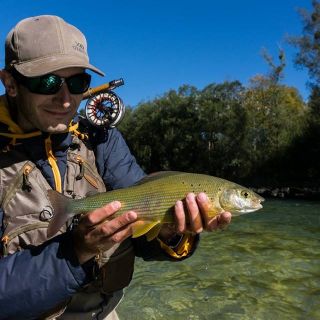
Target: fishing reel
(104, 108)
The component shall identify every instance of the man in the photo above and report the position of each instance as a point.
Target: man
(80, 273)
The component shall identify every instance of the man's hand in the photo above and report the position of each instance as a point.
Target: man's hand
(196, 214)
(95, 233)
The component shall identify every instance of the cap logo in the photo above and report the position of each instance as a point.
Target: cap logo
(78, 46)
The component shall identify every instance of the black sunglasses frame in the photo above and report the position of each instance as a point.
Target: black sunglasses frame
(44, 85)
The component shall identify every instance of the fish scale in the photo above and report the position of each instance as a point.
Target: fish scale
(155, 196)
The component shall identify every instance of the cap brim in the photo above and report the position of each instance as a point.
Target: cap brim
(46, 65)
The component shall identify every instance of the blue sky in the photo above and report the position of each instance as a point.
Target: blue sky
(156, 46)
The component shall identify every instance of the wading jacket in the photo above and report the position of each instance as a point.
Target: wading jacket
(41, 278)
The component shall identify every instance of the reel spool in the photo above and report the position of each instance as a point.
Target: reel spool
(105, 109)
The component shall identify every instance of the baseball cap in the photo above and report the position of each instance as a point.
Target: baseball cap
(44, 44)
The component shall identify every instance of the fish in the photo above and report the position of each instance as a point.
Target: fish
(154, 198)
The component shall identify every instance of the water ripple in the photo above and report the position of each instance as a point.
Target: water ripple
(264, 266)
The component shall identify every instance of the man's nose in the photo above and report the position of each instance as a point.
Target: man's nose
(65, 96)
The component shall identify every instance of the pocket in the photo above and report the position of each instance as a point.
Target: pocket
(116, 273)
(20, 238)
(82, 177)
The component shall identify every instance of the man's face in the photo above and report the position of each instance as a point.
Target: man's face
(48, 113)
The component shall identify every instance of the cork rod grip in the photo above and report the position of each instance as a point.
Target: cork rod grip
(103, 88)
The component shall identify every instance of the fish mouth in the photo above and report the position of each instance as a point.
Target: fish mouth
(256, 207)
(248, 210)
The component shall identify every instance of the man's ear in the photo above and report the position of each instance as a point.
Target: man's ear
(9, 83)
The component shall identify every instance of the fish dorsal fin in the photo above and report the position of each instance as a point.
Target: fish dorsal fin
(158, 175)
(142, 227)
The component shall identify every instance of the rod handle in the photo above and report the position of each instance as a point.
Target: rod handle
(102, 88)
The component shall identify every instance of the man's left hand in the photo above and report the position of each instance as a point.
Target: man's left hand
(193, 217)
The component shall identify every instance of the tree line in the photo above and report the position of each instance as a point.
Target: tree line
(258, 134)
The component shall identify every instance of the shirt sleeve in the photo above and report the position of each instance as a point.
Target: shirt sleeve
(116, 165)
(36, 280)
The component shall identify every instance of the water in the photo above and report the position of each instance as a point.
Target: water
(266, 265)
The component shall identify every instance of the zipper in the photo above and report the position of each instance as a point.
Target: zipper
(26, 185)
(53, 163)
(85, 167)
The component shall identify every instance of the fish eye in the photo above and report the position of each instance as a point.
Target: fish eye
(245, 193)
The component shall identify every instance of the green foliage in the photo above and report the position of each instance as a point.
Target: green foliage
(162, 131)
(314, 106)
(276, 119)
(275, 116)
(309, 42)
(222, 118)
(225, 129)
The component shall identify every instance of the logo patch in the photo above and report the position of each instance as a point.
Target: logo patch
(78, 47)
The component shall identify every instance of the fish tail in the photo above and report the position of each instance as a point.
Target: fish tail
(60, 204)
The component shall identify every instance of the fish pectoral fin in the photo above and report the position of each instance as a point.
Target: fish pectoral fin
(142, 227)
(214, 211)
(153, 233)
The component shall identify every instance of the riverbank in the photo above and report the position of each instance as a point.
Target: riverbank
(303, 193)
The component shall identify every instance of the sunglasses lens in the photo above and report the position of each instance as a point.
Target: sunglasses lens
(48, 84)
(79, 83)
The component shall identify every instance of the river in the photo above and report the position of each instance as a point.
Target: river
(266, 265)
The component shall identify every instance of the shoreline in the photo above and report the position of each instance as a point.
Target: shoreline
(302, 193)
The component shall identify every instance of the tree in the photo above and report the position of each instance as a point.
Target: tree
(222, 122)
(276, 71)
(306, 149)
(275, 119)
(309, 42)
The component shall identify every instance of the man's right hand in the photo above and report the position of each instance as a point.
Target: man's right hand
(98, 231)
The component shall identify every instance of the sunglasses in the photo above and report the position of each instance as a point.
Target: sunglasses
(51, 83)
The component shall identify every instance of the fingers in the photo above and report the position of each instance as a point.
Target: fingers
(195, 220)
(99, 215)
(188, 218)
(224, 219)
(194, 216)
(180, 217)
(99, 230)
(204, 207)
(219, 222)
(116, 225)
